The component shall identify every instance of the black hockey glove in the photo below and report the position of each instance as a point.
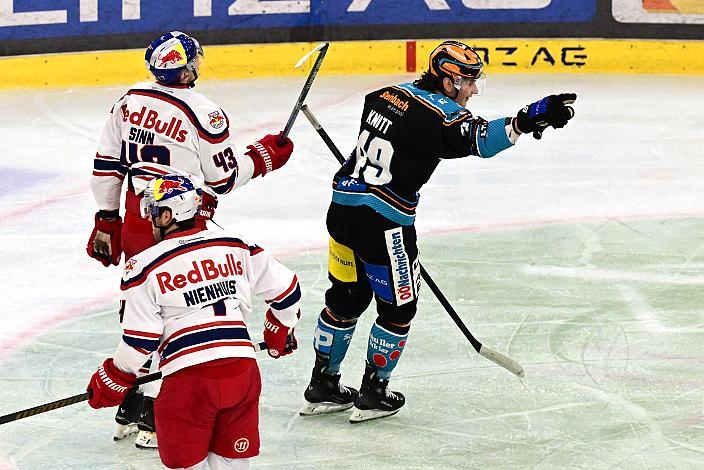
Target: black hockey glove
(551, 111)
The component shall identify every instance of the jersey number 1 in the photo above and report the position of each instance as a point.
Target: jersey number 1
(373, 159)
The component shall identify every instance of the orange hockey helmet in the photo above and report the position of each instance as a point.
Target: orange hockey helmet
(452, 58)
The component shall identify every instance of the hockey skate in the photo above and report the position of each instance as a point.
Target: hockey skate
(325, 394)
(127, 416)
(375, 400)
(146, 439)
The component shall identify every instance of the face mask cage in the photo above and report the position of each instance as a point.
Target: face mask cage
(148, 206)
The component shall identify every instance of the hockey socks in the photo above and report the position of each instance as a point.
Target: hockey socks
(331, 342)
(386, 343)
(325, 393)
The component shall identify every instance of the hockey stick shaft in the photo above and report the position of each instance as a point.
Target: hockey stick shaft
(85, 396)
(323, 135)
(322, 50)
(494, 356)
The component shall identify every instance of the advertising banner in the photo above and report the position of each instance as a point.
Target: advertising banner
(659, 11)
(30, 19)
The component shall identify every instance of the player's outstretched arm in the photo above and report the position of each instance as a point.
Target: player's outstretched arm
(553, 111)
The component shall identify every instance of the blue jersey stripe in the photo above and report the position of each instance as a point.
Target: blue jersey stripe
(289, 300)
(141, 343)
(370, 200)
(109, 165)
(200, 337)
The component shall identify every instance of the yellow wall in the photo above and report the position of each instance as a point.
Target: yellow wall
(364, 57)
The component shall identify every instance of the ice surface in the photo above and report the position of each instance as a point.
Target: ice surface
(580, 256)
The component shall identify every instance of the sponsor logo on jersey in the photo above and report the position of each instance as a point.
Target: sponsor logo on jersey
(395, 100)
(149, 119)
(217, 120)
(203, 270)
(400, 267)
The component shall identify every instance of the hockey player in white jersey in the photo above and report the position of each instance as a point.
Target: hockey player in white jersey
(157, 128)
(189, 298)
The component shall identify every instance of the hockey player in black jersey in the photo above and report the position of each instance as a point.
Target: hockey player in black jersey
(406, 130)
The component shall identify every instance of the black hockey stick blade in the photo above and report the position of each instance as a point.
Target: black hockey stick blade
(321, 49)
(84, 396)
(494, 356)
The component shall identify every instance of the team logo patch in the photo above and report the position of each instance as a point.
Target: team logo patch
(129, 265)
(241, 444)
(217, 120)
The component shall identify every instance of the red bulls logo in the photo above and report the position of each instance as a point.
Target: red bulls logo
(168, 186)
(171, 57)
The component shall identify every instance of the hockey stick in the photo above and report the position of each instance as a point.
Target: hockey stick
(322, 49)
(85, 396)
(494, 356)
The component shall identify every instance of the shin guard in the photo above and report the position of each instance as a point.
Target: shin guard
(331, 342)
(384, 349)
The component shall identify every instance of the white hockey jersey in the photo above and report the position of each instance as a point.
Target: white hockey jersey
(189, 297)
(155, 129)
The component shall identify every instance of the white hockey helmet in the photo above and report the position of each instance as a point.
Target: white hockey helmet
(176, 192)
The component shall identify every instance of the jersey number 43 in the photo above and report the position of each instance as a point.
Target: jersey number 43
(373, 159)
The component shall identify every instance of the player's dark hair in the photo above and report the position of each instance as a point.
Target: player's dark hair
(428, 82)
(186, 224)
(182, 224)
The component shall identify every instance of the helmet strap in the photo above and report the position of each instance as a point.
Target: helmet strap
(192, 83)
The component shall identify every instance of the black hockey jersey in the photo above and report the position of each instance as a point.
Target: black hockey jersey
(404, 133)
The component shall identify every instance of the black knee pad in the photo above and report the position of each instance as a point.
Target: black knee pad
(397, 314)
(348, 301)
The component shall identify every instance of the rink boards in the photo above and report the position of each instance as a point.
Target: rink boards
(619, 56)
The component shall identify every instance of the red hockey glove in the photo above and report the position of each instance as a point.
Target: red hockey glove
(279, 339)
(109, 385)
(206, 210)
(105, 242)
(267, 155)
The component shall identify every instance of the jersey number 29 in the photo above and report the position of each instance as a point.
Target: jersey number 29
(373, 159)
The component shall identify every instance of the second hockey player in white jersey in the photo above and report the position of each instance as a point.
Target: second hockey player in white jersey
(157, 128)
(164, 127)
(189, 298)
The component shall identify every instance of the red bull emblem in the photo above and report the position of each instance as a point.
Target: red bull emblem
(167, 187)
(171, 57)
